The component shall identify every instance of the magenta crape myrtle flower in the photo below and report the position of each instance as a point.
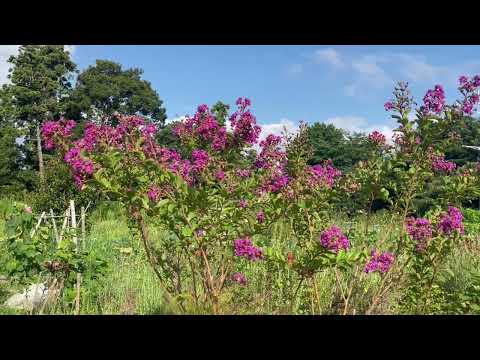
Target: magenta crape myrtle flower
(322, 175)
(243, 173)
(440, 164)
(333, 239)
(451, 221)
(468, 88)
(239, 278)
(260, 217)
(245, 248)
(377, 138)
(434, 100)
(245, 128)
(200, 160)
(381, 262)
(388, 106)
(419, 230)
(220, 175)
(153, 193)
(56, 129)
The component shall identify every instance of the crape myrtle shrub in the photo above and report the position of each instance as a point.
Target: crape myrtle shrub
(219, 209)
(58, 189)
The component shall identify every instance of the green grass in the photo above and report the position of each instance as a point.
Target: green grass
(131, 287)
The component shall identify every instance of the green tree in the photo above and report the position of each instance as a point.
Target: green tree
(105, 89)
(40, 82)
(344, 149)
(220, 111)
(469, 130)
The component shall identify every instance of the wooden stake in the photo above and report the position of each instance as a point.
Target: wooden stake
(38, 224)
(74, 222)
(65, 221)
(82, 214)
(75, 240)
(52, 216)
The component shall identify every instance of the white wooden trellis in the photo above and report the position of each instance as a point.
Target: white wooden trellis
(69, 221)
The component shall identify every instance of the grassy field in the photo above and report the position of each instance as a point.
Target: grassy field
(130, 286)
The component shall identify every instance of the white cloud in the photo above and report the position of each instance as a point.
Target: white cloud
(330, 56)
(178, 118)
(278, 129)
(349, 123)
(368, 74)
(360, 125)
(5, 52)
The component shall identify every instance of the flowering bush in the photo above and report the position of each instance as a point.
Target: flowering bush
(220, 205)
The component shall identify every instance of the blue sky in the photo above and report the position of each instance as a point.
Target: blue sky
(343, 85)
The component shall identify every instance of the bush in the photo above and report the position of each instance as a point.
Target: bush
(59, 190)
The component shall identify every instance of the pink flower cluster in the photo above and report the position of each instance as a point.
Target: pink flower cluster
(377, 138)
(220, 175)
(260, 217)
(419, 230)
(52, 131)
(153, 193)
(243, 173)
(82, 168)
(468, 88)
(451, 221)
(239, 278)
(245, 248)
(434, 100)
(204, 127)
(403, 99)
(245, 128)
(273, 160)
(381, 262)
(322, 175)
(333, 239)
(200, 160)
(440, 164)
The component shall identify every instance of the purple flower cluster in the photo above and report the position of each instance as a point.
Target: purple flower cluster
(243, 204)
(260, 217)
(434, 100)
(273, 160)
(243, 173)
(153, 193)
(82, 168)
(377, 138)
(52, 131)
(200, 160)
(245, 128)
(220, 175)
(419, 230)
(381, 262)
(245, 248)
(388, 106)
(203, 126)
(333, 239)
(322, 175)
(468, 88)
(440, 164)
(451, 221)
(403, 99)
(239, 278)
